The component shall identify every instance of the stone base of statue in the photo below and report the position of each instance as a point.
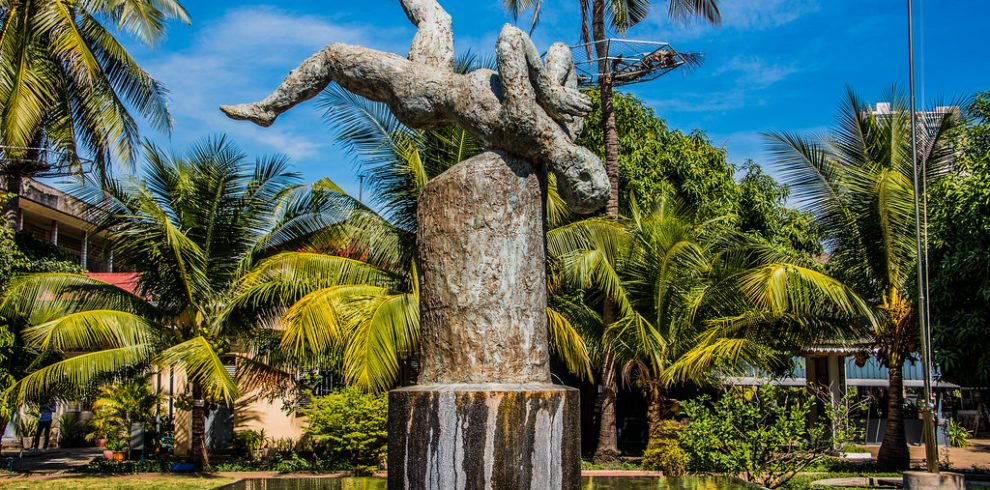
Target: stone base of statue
(481, 436)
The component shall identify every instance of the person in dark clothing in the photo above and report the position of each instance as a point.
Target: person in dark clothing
(44, 425)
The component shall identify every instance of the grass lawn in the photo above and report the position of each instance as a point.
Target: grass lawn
(130, 482)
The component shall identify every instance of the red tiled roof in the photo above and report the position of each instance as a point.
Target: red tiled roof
(128, 281)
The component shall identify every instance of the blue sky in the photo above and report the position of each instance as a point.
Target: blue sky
(772, 65)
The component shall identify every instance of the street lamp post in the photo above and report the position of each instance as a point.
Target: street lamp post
(927, 403)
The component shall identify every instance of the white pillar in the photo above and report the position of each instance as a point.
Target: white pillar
(83, 259)
(54, 232)
(110, 262)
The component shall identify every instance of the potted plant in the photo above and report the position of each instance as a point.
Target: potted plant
(26, 428)
(117, 449)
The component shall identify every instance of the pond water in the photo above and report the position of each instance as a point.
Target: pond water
(589, 483)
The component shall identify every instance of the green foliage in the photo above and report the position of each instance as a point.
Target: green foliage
(69, 84)
(761, 433)
(959, 436)
(194, 224)
(666, 456)
(960, 266)
(349, 426)
(664, 452)
(119, 405)
(119, 444)
(72, 431)
(656, 162)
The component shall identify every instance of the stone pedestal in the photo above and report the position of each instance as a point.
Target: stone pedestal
(484, 436)
(484, 415)
(922, 480)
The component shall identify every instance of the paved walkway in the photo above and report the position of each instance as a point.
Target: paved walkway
(50, 461)
(974, 457)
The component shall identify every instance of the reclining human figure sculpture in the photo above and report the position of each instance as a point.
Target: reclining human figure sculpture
(484, 412)
(530, 108)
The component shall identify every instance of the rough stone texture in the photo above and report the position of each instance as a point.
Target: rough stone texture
(528, 109)
(484, 318)
(922, 480)
(489, 436)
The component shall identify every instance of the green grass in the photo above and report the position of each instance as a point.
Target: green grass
(803, 480)
(142, 482)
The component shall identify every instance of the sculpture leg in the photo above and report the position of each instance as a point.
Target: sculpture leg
(378, 76)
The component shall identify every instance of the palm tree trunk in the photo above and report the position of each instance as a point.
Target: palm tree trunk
(198, 436)
(894, 454)
(654, 411)
(12, 206)
(608, 440)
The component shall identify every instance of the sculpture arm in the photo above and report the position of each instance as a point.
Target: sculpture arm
(524, 76)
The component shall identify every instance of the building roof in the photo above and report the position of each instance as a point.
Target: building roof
(128, 281)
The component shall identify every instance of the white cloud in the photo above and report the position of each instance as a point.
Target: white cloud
(759, 15)
(755, 71)
(738, 15)
(240, 57)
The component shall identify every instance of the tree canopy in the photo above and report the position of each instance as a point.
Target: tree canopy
(960, 266)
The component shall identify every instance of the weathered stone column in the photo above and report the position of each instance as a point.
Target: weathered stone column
(485, 415)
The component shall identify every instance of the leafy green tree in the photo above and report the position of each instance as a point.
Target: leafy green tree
(960, 234)
(858, 183)
(68, 86)
(763, 213)
(195, 225)
(351, 427)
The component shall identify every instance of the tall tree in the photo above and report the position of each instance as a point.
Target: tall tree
(960, 267)
(195, 225)
(858, 183)
(68, 86)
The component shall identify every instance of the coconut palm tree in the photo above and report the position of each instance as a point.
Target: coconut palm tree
(858, 182)
(194, 226)
(69, 87)
(355, 293)
(693, 301)
(597, 19)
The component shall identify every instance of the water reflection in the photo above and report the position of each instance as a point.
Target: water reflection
(589, 483)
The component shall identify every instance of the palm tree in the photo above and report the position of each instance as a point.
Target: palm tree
(693, 300)
(618, 16)
(858, 182)
(355, 293)
(68, 86)
(194, 225)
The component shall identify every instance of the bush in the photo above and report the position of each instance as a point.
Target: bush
(761, 433)
(350, 427)
(667, 456)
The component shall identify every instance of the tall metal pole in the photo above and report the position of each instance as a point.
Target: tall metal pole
(927, 402)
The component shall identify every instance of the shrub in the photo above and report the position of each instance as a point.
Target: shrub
(350, 427)
(760, 433)
(667, 456)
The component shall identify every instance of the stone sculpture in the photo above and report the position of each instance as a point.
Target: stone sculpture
(484, 414)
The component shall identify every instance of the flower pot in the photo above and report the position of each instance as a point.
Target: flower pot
(119, 456)
(107, 454)
(27, 442)
(101, 442)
